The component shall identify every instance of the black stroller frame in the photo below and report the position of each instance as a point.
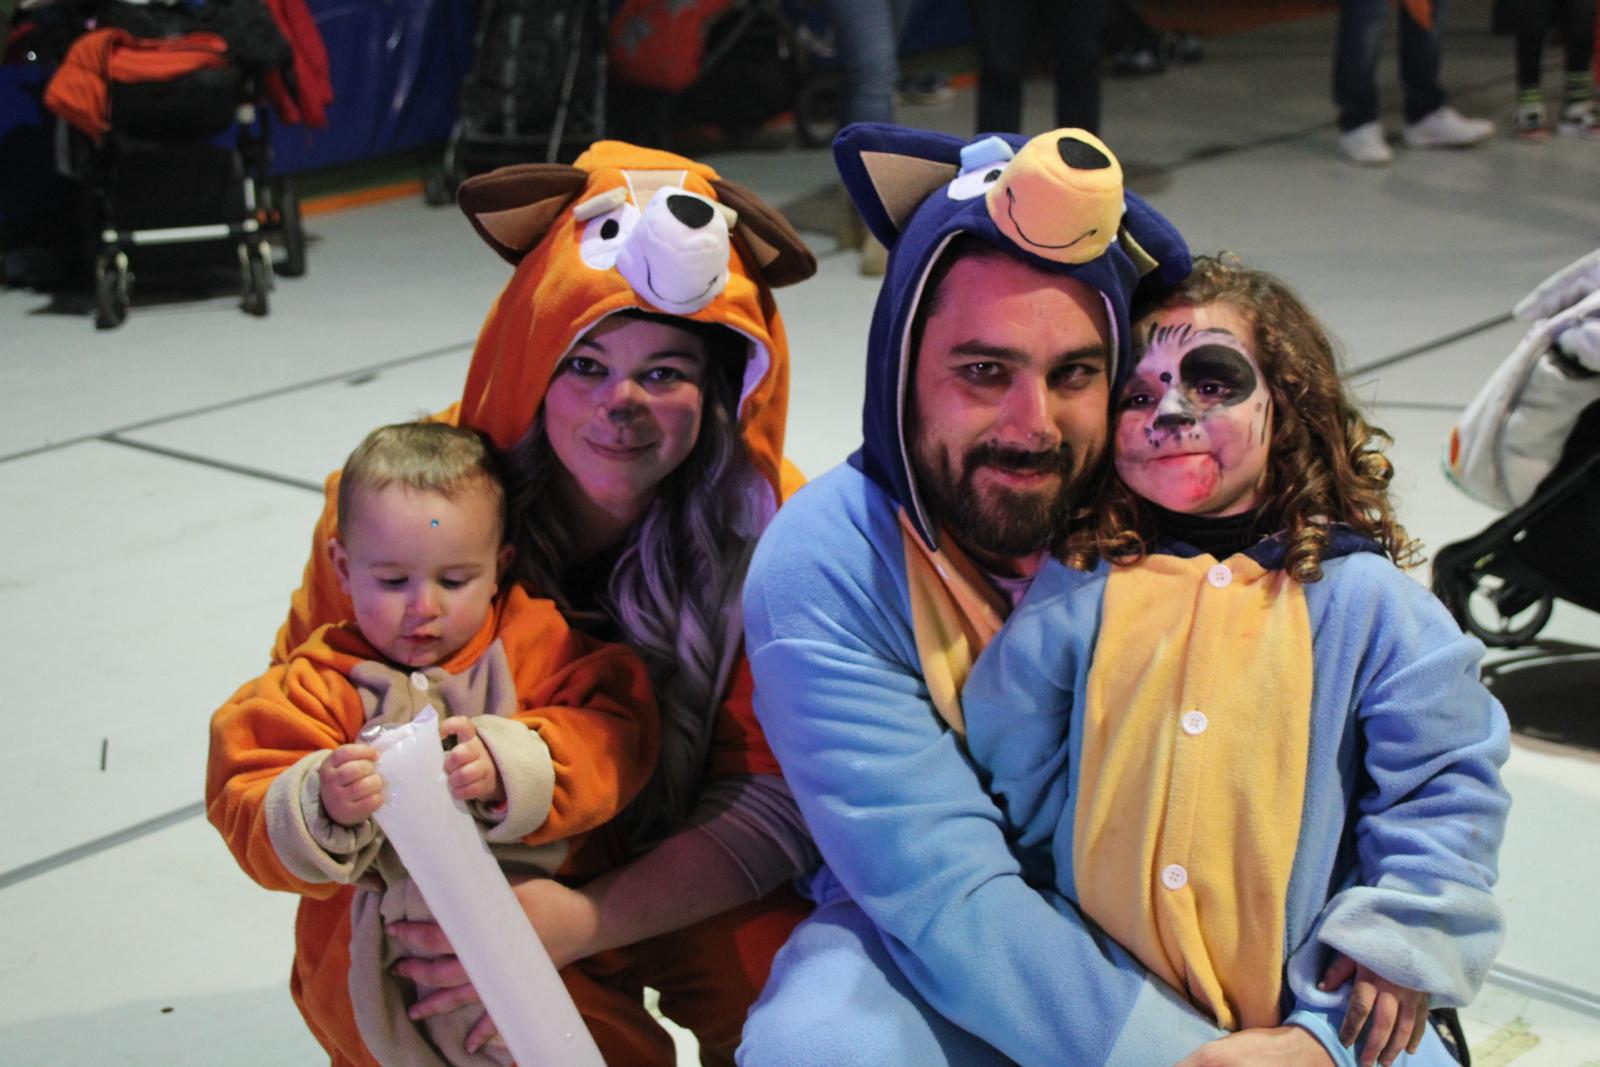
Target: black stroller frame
(475, 146)
(1534, 554)
(160, 178)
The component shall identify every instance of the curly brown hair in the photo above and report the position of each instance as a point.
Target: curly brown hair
(1325, 464)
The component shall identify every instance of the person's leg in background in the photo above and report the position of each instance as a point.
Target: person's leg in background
(1578, 116)
(1355, 81)
(1078, 30)
(1430, 122)
(1000, 28)
(1532, 27)
(867, 34)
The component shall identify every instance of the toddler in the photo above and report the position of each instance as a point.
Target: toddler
(421, 552)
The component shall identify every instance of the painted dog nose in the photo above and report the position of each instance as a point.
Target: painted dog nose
(690, 210)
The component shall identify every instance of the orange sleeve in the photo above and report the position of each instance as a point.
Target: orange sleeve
(737, 744)
(592, 705)
(265, 728)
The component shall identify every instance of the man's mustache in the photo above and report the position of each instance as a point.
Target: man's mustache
(1019, 461)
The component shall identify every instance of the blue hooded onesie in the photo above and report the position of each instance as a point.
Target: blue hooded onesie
(927, 946)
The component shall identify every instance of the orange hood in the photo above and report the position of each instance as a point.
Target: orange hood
(627, 227)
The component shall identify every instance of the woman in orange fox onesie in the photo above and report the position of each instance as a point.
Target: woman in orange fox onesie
(634, 376)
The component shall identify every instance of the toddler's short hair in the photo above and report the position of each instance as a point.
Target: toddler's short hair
(432, 457)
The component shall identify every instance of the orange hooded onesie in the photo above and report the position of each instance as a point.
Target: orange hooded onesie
(616, 231)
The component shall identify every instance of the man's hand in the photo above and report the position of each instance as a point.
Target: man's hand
(349, 785)
(1398, 1015)
(1275, 1046)
(472, 773)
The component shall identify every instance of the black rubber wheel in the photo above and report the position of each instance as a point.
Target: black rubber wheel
(437, 189)
(110, 294)
(1485, 619)
(255, 270)
(286, 203)
(818, 108)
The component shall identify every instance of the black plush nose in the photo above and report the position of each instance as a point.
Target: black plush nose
(1081, 155)
(692, 212)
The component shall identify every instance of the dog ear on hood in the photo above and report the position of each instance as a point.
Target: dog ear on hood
(776, 248)
(513, 207)
(890, 170)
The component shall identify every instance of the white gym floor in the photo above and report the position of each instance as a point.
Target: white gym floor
(159, 484)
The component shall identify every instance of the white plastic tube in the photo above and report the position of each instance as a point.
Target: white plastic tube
(439, 842)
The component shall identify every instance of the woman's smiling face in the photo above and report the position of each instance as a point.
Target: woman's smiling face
(624, 409)
(1194, 421)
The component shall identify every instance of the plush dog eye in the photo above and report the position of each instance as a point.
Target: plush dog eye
(974, 182)
(604, 235)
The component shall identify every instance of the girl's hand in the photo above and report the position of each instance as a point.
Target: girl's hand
(1398, 1015)
(349, 785)
(472, 773)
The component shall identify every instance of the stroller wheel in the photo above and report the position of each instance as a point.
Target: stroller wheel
(818, 107)
(286, 205)
(1504, 615)
(437, 189)
(111, 282)
(255, 277)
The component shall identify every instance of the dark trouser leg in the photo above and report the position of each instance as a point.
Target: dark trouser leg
(1533, 23)
(1419, 62)
(1078, 26)
(1001, 29)
(1355, 62)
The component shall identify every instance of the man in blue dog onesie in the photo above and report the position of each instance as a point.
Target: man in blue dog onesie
(997, 340)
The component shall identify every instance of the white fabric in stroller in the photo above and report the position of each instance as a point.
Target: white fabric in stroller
(1512, 434)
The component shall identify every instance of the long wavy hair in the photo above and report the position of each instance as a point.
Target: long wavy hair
(1325, 464)
(676, 573)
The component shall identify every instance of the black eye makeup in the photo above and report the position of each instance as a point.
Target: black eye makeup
(1218, 373)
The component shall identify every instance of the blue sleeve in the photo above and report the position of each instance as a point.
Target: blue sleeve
(1018, 705)
(903, 822)
(1431, 811)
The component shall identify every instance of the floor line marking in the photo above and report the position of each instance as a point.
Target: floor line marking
(100, 844)
(223, 405)
(215, 464)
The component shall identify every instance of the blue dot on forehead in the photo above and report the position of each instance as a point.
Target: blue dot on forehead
(435, 522)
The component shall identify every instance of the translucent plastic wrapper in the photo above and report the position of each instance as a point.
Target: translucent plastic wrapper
(439, 842)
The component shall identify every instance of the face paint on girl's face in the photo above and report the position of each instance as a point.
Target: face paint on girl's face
(1194, 420)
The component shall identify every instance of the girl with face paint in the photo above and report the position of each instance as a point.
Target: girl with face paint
(1229, 727)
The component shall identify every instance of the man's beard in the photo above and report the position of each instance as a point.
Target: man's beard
(1001, 522)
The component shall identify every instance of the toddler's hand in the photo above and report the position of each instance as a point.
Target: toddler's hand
(349, 784)
(472, 773)
(1399, 1016)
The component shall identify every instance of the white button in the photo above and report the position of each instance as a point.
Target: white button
(1194, 722)
(1219, 575)
(1174, 876)
(419, 680)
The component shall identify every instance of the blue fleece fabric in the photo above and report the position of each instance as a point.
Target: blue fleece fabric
(917, 861)
(1404, 811)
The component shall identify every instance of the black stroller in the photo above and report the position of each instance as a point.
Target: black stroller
(760, 59)
(167, 188)
(1530, 443)
(536, 89)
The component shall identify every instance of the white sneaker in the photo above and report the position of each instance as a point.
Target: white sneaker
(1580, 120)
(1366, 145)
(1445, 127)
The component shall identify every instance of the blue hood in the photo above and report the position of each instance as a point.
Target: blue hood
(1055, 200)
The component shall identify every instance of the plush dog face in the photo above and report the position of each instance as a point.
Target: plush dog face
(627, 228)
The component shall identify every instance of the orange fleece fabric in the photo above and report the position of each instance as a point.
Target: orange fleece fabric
(590, 703)
(80, 89)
